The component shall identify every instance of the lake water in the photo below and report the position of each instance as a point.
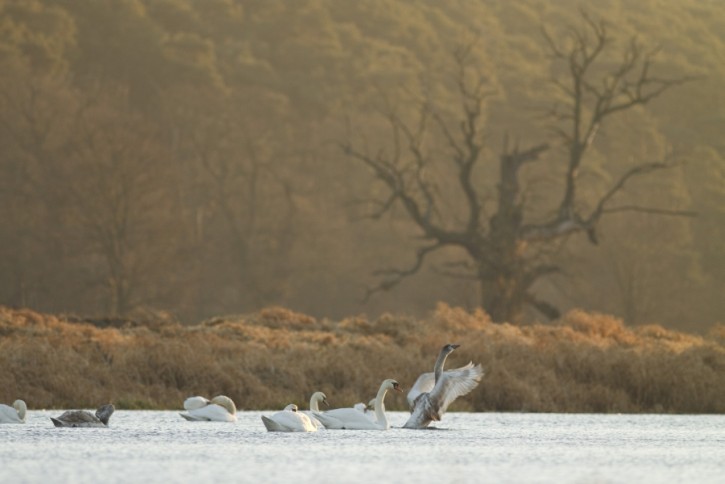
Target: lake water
(152, 446)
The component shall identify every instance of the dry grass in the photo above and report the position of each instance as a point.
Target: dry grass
(585, 363)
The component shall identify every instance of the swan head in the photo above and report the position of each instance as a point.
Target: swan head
(21, 408)
(391, 384)
(291, 407)
(226, 402)
(319, 397)
(449, 348)
(104, 412)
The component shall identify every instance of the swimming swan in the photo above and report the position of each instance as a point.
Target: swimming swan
(14, 414)
(352, 419)
(289, 420)
(315, 400)
(219, 409)
(83, 418)
(367, 409)
(434, 392)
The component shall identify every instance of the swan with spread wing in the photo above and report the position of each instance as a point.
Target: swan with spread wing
(432, 393)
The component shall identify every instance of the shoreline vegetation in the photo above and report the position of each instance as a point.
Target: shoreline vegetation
(585, 362)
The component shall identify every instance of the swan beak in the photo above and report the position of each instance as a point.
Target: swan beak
(325, 402)
(455, 346)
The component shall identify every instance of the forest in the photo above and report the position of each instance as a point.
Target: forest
(183, 160)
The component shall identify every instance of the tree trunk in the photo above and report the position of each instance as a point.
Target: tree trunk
(502, 282)
(501, 270)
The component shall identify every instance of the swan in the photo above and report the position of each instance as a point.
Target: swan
(194, 403)
(367, 409)
(14, 414)
(432, 393)
(352, 419)
(315, 400)
(219, 409)
(289, 420)
(83, 418)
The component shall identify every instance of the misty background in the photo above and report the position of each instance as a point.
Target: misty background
(184, 157)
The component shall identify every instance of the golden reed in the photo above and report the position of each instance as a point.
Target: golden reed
(584, 363)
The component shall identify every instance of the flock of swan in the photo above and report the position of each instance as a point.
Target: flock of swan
(429, 398)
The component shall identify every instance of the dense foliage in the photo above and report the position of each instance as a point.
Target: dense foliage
(179, 155)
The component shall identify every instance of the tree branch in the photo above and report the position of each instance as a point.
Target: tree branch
(570, 222)
(396, 276)
(650, 210)
(592, 102)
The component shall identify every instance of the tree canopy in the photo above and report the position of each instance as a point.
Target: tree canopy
(176, 155)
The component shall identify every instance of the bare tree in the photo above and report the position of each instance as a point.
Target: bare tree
(506, 253)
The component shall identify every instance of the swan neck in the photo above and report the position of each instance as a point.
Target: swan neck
(380, 407)
(21, 409)
(438, 369)
(314, 405)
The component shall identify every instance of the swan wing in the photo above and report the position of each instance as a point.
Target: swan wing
(192, 418)
(272, 426)
(329, 421)
(194, 403)
(287, 421)
(453, 384)
(346, 418)
(77, 418)
(8, 414)
(307, 424)
(366, 410)
(318, 425)
(423, 384)
(213, 413)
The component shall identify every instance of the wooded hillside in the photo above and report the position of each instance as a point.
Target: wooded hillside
(186, 157)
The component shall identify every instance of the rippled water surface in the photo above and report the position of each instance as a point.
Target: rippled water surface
(146, 446)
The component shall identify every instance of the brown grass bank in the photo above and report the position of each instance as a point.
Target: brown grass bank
(585, 363)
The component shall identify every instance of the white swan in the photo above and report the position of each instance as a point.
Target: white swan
(367, 409)
(352, 419)
(14, 414)
(219, 409)
(289, 420)
(83, 418)
(315, 400)
(434, 392)
(193, 403)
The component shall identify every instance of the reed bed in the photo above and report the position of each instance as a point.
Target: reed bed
(584, 363)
